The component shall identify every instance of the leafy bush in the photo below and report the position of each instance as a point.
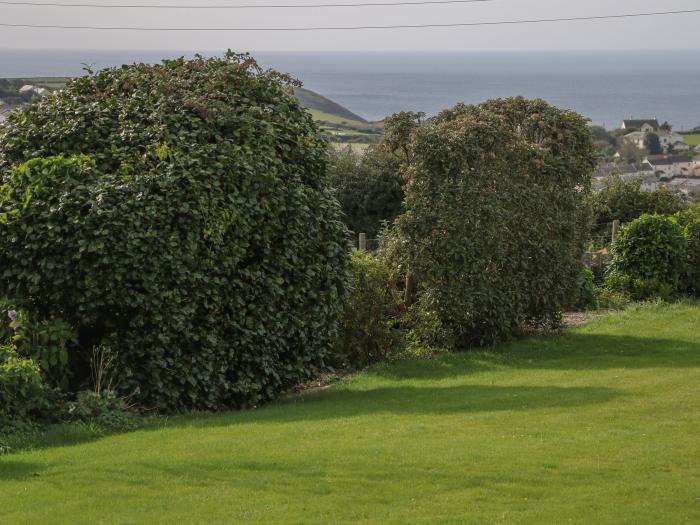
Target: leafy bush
(586, 292)
(368, 187)
(649, 258)
(105, 409)
(46, 342)
(23, 396)
(181, 213)
(608, 299)
(367, 330)
(692, 234)
(626, 201)
(495, 224)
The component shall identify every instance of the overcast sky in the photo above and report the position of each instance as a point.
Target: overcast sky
(663, 32)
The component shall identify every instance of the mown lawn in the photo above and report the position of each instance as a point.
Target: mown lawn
(692, 139)
(600, 425)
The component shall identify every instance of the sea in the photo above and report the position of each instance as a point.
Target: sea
(605, 86)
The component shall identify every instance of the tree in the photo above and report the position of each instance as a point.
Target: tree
(495, 220)
(599, 133)
(181, 215)
(666, 126)
(368, 186)
(629, 152)
(653, 144)
(398, 130)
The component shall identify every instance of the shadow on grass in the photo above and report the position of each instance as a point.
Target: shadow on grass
(567, 351)
(451, 400)
(348, 403)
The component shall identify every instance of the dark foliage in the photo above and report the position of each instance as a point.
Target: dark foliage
(625, 201)
(649, 258)
(495, 224)
(23, 395)
(180, 214)
(367, 330)
(368, 186)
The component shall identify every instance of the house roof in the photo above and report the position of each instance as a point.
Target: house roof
(635, 168)
(637, 124)
(667, 160)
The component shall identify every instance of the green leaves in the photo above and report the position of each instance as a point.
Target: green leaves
(650, 258)
(23, 396)
(495, 220)
(181, 214)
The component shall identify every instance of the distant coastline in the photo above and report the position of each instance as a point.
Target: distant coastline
(604, 86)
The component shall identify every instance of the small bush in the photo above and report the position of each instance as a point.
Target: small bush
(23, 396)
(608, 299)
(586, 292)
(105, 409)
(649, 258)
(46, 342)
(367, 329)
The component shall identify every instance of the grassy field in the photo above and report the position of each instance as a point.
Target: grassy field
(596, 426)
(692, 139)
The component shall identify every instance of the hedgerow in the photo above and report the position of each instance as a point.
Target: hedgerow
(495, 219)
(180, 214)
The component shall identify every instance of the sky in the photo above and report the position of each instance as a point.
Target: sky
(663, 32)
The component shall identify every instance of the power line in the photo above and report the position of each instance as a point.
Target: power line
(353, 28)
(245, 6)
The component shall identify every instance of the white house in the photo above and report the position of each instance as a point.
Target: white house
(670, 166)
(666, 139)
(644, 125)
(28, 88)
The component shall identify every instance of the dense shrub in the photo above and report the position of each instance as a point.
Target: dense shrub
(692, 234)
(495, 224)
(649, 258)
(180, 213)
(105, 409)
(23, 396)
(585, 294)
(625, 201)
(367, 330)
(368, 186)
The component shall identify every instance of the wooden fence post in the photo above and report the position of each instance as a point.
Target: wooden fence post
(615, 229)
(408, 292)
(363, 242)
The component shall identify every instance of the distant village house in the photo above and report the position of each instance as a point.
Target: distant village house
(668, 139)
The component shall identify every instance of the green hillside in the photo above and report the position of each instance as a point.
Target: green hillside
(311, 100)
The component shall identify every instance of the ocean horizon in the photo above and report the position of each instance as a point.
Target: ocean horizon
(605, 86)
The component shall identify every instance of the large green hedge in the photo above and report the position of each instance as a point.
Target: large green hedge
(180, 214)
(495, 223)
